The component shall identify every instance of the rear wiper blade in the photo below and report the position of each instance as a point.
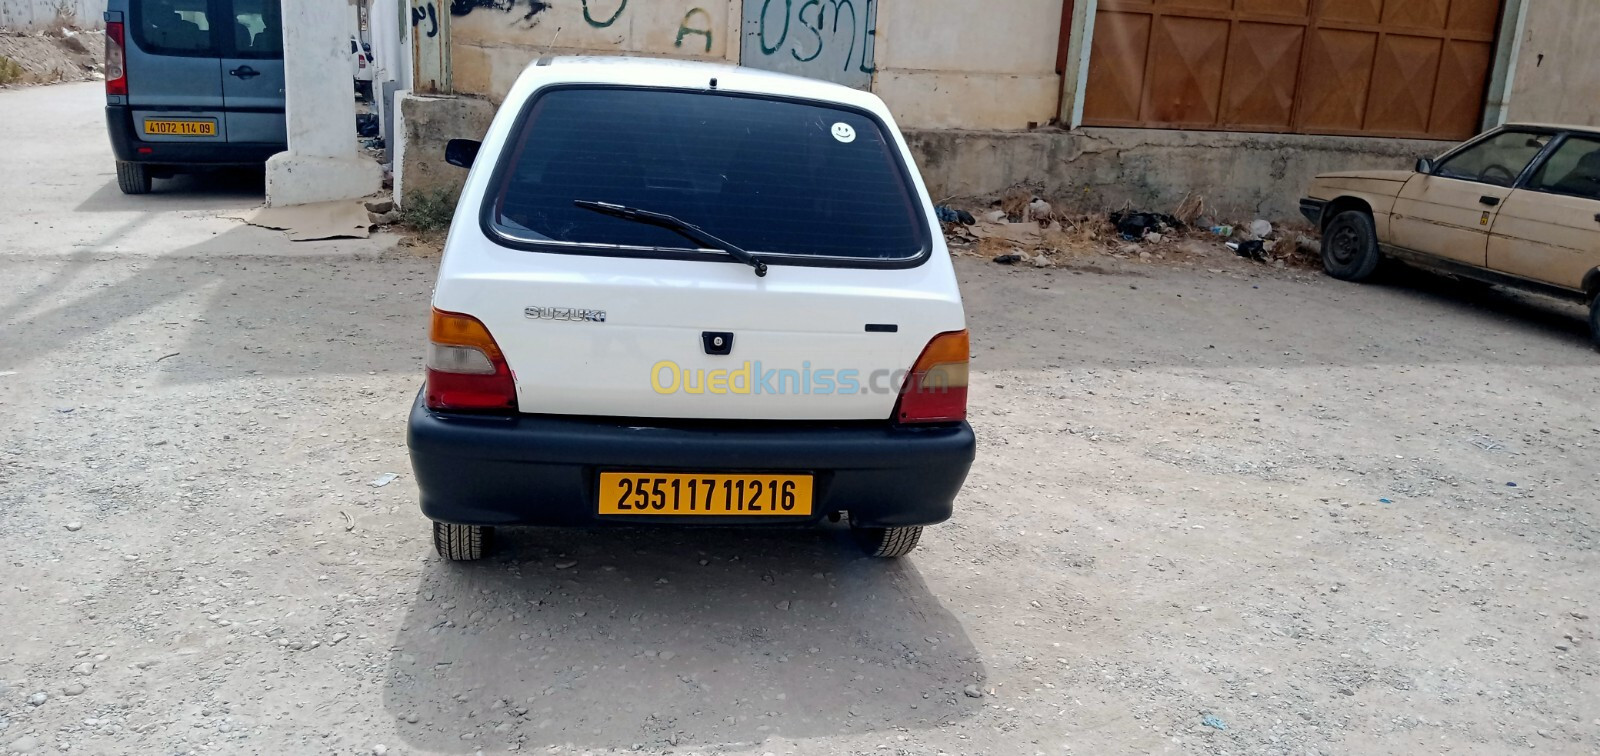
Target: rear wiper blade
(682, 228)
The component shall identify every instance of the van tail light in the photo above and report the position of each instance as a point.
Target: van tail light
(936, 389)
(467, 372)
(116, 68)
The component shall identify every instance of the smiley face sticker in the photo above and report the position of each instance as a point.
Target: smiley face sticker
(844, 132)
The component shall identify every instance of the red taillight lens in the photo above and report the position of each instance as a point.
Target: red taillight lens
(936, 389)
(466, 370)
(116, 70)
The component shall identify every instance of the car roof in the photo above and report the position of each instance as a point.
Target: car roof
(690, 74)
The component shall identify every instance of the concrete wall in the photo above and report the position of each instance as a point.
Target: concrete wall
(426, 124)
(1240, 176)
(938, 63)
(493, 40)
(36, 15)
(1557, 72)
(946, 64)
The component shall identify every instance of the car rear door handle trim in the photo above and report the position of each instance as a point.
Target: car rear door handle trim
(244, 72)
(1490, 201)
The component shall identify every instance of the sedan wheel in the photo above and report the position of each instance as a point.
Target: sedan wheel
(1350, 246)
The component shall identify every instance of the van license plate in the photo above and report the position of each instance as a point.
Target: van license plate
(181, 128)
(697, 494)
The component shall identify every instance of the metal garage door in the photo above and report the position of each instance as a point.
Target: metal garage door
(1403, 68)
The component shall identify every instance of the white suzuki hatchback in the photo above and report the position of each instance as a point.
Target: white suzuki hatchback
(681, 293)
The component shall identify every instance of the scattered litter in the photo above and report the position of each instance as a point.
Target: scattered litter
(995, 216)
(946, 215)
(384, 480)
(1260, 229)
(1039, 210)
(1487, 443)
(1253, 249)
(1510, 484)
(1134, 226)
(1008, 259)
(1211, 720)
(366, 124)
(4, 373)
(1223, 230)
(165, 356)
(1385, 501)
(349, 522)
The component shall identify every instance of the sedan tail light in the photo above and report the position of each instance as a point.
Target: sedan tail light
(467, 372)
(116, 67)
(936, 389)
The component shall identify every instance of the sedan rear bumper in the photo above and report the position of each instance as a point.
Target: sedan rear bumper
(544, 469)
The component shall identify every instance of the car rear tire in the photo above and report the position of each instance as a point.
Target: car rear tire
(133, 178)
(1594, 320)
(462, 543)
(887, 542)
(1350, 246)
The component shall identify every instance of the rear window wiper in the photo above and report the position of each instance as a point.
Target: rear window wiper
(682, 228)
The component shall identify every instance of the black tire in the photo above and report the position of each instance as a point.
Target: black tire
(1594, 320)
(887, 542)
(462, 543)
(133, 178)
(1350, 246)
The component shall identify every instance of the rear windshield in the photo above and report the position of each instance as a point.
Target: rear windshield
(773, 176)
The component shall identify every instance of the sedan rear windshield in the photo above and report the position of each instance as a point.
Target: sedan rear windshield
(775, 177)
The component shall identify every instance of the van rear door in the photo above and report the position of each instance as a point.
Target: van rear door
(174, 71)
(252, 67)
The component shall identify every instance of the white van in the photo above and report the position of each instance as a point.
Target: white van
(684, 293)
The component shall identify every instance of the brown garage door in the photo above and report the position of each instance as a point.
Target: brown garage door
(1404, 68)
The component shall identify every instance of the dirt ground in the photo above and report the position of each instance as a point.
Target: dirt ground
(1217, 509)
(60, 55)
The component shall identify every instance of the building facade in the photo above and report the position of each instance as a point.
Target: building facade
(1023, 83)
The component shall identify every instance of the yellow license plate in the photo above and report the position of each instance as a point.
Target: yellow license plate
(181, 128)
(696, 494)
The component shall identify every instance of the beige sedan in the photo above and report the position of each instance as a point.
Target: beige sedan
(1518, 207)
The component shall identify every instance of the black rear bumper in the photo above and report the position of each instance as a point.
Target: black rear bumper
(127, 146)
(1312, 210)
(544, 469)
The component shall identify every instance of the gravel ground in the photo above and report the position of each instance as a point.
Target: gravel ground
(1216, 510)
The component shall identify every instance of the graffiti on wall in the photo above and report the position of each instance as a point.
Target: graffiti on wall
(425, 18)
(823, 39)
(530, 9)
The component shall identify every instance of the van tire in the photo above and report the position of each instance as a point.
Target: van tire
(462, 543)
(133, 178)
(887, 542)
(1350, 246)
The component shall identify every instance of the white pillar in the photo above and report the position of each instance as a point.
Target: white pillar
(322, 163)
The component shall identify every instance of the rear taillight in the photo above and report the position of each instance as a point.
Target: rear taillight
(116, 70)
(466, 370)
(936, 389)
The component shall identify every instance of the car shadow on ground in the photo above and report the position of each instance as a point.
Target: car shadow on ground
(612, 638)
(217, 189)
(1561, 320)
